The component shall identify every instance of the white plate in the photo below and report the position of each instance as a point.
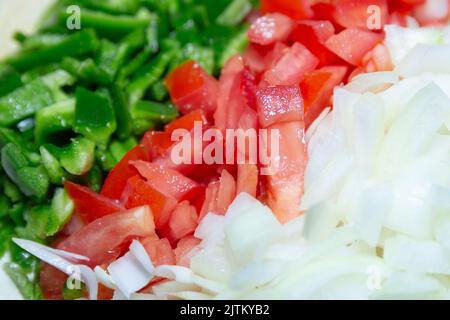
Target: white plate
(17, 15)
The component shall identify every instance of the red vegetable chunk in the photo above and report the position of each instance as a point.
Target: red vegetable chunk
(192, 88)
(271, 28)
(353, 44)
(90, 205)
(364, 14)
(296, 9)
(291, 67)
(279, 104)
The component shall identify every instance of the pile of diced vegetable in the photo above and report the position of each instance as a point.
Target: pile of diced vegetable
(74, 102)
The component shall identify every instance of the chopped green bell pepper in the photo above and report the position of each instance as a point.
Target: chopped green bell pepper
(94, 116)
(9, 80)
(79, 43)
(55, 118)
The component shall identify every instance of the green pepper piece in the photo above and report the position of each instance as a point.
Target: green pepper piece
(62, 208)
(153, 33)
(94, 116)
(32, 181)
(29, 289)
(95, 178)
(202, 55)
(234, 45)
(38, 41)
(107, 25)
(11, 190)
(149, 75)
(159, 91)
(23, 258)
(73, 294)
(140, 126)
(86, 71)
(11, 136)
(37, 220)
(53, 167)
(4, 206)
(118, 149)
(154, 111)
(16, 213)
(6, 231)
(9, 80)
(121, 110)
(80, 43)
(112, 6)
(55, 118)
(24, 102)
(132, 66)
(234, 13)
(77, 157)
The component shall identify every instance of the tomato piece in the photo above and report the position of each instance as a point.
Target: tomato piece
(270, 28)
(90, 205)
(324, 11)
(75, 223)
(313, 35)
(183, 221)
(186, 122)
(185, 250)
(398, 18)
(317, 89)
(102, 241)
(116, 180)
(381, 58)
(299, 9)
(353, 44)
(285, 185)
(52, 282)
(254, 58)
(169, 182)
(156, 143)
(159, 250)
(247, 179)
(358, 13)
(292, 67)
(196, 197)
(248, 87)
(219, 195)
(138, 193)
(231, 102)
(192, 88)
(279, 104)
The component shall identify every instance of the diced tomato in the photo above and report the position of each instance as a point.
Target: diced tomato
(325, 11)
(90, 205)
(117, 178)
(156, 143)
(219, 195)
(298, 9)
(104, 293)
(231, 101)
(248, 87)
(352, 44)
(138, 193)
(279, 104)
(292, 67)
(364, 14)
(254, 57)
(270, 28)
(186, 122)
(196, 197)
(102, 240)
(381, 58)
(285, 185)
(317, 89)
(192, 88)
(75, 223)
(274, 56)
(183, 221)
(185, 249)
(313, 35)
(159, 250)
(52, 282)
(247, 180)
(169, 182)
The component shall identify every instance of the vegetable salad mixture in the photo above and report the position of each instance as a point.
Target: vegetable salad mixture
(356, 209)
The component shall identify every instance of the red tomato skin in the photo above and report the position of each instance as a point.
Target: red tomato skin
(183, 221)
(299, 9)
(254, 58)
(116, 180)
(353, 44)
(313, 35)
(138, 193)
(192, 88)
(186, 122)
(356, 14)
(292, 66)
(102, 240)
(285, 186)
(270, 28)
(90, 205)
(279, 104)
(317, 89)
(169, 182)
(185, 249)
(52, 282)
(159, 250)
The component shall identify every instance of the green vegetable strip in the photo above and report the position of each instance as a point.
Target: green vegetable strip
(234, 13)
(9, 80)
(80, 43)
